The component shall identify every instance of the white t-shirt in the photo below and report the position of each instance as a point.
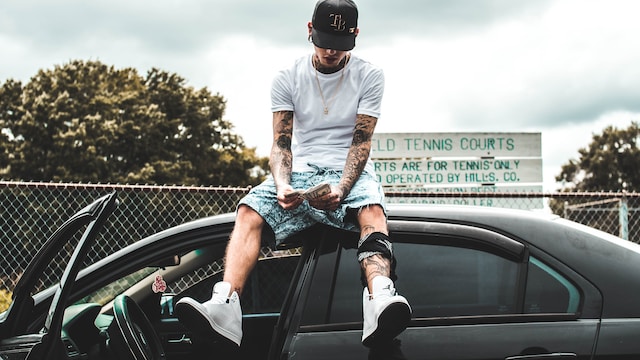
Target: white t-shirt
(324, 139)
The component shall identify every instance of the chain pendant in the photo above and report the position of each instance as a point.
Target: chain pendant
(326, 103)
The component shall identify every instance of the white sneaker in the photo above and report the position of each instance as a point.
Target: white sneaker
(386, 314)
(220, 316)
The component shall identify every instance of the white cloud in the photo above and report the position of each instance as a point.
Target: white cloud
(561, 144)
(242, 68)
(565, 68)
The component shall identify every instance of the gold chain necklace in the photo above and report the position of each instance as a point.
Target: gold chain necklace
(326, 103)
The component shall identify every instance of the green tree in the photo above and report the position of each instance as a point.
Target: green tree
(610, 163)
(10, 110)
(85, 121)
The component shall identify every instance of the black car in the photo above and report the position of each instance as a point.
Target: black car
(483, 283)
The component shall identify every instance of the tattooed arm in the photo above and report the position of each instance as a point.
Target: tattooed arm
(358, 153)
(281, 159)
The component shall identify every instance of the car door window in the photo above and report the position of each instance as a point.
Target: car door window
(264, 291)
(548, 291)
(442, 280)
(456, 281)
(438, 281)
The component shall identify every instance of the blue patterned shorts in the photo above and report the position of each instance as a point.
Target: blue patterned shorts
(284, 223)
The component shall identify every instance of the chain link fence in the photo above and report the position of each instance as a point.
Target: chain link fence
(616, 214)
(31, 212)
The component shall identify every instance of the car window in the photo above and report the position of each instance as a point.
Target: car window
(548, 291)
(456, 281)
(438, 281)
(49, 276)
(264, 291)
(441, 280)
(108, 292)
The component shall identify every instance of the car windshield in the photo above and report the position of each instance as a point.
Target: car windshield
(108, 292)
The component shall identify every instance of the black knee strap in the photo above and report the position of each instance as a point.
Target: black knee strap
(375, 243)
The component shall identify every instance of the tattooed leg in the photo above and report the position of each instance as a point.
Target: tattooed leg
(375, 265)
(374, 249)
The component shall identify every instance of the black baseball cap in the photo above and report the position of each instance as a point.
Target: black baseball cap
(335, 24)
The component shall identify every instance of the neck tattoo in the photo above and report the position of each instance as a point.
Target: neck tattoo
(327, 103)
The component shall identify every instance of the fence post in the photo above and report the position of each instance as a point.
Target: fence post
(624, 219)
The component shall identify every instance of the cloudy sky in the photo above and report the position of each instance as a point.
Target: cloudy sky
(564, 68)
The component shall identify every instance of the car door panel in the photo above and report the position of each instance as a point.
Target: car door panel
(475, 294)
(500, 341)
(566, 339)
(176, 340)
(180, 343)
(618, 339)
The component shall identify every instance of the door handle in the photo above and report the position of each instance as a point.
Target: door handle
(551, 356)
(183, 340)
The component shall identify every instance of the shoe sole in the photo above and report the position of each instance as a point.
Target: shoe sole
(391, 323)
(199, 323)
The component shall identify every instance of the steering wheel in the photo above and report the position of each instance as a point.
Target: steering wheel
(134, 336)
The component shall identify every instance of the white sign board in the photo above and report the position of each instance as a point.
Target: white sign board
(525, 203)
(484, 189)
(449, 172)
(462, 163)
(426, 145)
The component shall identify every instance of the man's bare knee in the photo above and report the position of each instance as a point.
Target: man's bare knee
(372, 218)
(248, 216)
(245, 210)
(248, 226)
(371, 210)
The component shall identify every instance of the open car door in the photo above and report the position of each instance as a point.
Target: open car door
(16, 342)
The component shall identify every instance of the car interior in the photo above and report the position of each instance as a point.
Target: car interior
(91, 329)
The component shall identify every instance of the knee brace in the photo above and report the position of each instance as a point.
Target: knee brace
(373, 244)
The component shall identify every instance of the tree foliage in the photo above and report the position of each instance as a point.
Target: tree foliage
(610, 163)
(89, 122)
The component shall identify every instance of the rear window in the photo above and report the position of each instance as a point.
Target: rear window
(440, 280)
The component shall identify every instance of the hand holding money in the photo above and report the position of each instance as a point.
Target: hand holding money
(313, 192)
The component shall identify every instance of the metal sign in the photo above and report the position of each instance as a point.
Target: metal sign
(490, 200)
(427, 145)
(475, 163)
(449, 172)
(478, 189)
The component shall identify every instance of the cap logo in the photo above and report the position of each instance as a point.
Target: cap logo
(338, 24)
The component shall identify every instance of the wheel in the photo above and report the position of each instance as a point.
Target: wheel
(131, 335)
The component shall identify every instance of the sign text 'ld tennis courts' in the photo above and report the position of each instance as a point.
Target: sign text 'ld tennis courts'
(449, 159)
